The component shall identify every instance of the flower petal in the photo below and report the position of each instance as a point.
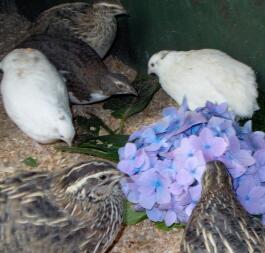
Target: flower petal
(155, 215)
(147, 201)
(170, 218)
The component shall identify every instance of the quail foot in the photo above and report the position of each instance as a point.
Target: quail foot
(87, 77)
(206, 75)
(94, 23)
(35, 97)
(218, 223)
(75, 210)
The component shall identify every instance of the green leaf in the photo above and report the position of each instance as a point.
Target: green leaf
(132, 217)
(125, 107)
(92, 152)
(31, 162)
(92, 125)
(162, 226)
(105, 146)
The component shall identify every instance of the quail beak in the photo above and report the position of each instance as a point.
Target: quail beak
(133, 92)
(123, 11)
(119, 175)
(68, 141)
(149, 72)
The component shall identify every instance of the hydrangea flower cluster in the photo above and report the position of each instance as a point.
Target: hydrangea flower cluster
(166, 160)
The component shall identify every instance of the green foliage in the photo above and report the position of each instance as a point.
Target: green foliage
(31, 162)
(91, 143)
(105, 146)
(90, 127)
(132, 217)
(162, 226)
(124, 107)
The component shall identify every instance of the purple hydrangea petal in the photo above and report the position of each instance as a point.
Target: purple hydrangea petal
(170, 218)
(133, 197)
(163, 196)
(184, 177)
(176, 188)
(126, 166)
(129, 150)
(237, 170)
(210, 145)
(244, 158)
(189, 208)
(195, 166)
(155, 214)
(195, 192)
(183, 199)
(147, 201)
(170, 111)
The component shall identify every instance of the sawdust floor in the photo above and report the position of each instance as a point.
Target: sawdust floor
(15, 147)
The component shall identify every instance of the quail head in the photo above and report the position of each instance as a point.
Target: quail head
(87, 77)
(76, 210)
(35, 96)
(94, 23)
(206, 75)
(218, 223)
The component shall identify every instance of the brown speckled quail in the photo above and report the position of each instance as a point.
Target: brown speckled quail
(76, 210)
(218, 223)
(93, 23)
(88, 79)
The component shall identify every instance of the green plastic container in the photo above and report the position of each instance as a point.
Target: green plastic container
(236, 27)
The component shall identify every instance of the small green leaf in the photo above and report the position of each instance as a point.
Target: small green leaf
(132, 217)
(92, 152)
(92, 125)
(162, 226)
(31, 162)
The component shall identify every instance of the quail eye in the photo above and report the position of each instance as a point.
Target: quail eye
(102, 177)
(152, 64)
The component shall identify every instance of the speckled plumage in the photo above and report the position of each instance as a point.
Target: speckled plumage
(88, 78)
(218, 223)
(94, 23)
(70, 211)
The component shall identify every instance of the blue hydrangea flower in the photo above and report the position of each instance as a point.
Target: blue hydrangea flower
(259, 156)
(133, 161)
(166, 160)
(252, 197)
(153, 188)
(236, 159)
(211, 146)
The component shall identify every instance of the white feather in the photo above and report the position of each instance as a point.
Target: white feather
(206, 75)
(35, 96)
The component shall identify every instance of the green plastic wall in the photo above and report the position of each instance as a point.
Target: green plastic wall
(234, 26)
